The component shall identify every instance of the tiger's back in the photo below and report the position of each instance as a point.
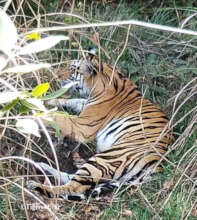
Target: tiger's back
(132, 134)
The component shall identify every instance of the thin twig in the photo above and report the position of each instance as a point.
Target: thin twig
(115, 23)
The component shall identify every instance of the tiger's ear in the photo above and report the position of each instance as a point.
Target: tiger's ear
(95, 60)
(91, 52)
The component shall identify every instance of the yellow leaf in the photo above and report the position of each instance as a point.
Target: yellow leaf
(91, 208)
(40, 89)
(33, 36)
(88, 209)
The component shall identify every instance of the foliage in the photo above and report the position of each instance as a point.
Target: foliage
(163, 64)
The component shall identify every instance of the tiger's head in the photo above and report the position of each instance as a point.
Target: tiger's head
(92, 77)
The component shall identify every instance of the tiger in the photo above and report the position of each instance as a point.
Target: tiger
(131, 133)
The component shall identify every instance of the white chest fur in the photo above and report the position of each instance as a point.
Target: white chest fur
(108, 135)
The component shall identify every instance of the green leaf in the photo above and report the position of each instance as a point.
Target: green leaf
(23, 109)
(40, 89)
(59, 92)
(57, 131)
(55, 94)
(61, 113)
(28, 104)
(10, 105)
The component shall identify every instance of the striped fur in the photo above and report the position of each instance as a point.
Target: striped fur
(131, 133)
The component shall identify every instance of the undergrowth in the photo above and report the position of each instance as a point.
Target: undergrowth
(161, 63)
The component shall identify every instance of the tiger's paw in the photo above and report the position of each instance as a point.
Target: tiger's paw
(57, 102)
(34, 186)
(77, 197)
(105, 188)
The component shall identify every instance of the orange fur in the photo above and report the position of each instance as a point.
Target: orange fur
(140, 145)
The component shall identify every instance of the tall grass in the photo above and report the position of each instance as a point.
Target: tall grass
(162, 63)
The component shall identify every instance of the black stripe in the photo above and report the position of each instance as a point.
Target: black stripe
(73, 198)
(119, 153)
(115, 83)
(87, 182)
(98, 166)
(132, 91)
(113, 97)
(85, 169)
(125, 171)
(136, 176)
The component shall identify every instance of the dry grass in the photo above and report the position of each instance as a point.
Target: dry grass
(162, 63)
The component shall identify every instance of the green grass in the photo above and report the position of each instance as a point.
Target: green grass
(10, 205)
(161, 64)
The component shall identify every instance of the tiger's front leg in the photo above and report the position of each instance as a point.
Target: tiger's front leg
(75, 127)
(76, 105)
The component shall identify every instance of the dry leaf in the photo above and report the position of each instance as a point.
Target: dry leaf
(77, 160)
(88, 209)
(194, 212)
(91, 208)
(99, 214)
(127, 212)
(167, 185)
(133, 190)
(95, 40)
